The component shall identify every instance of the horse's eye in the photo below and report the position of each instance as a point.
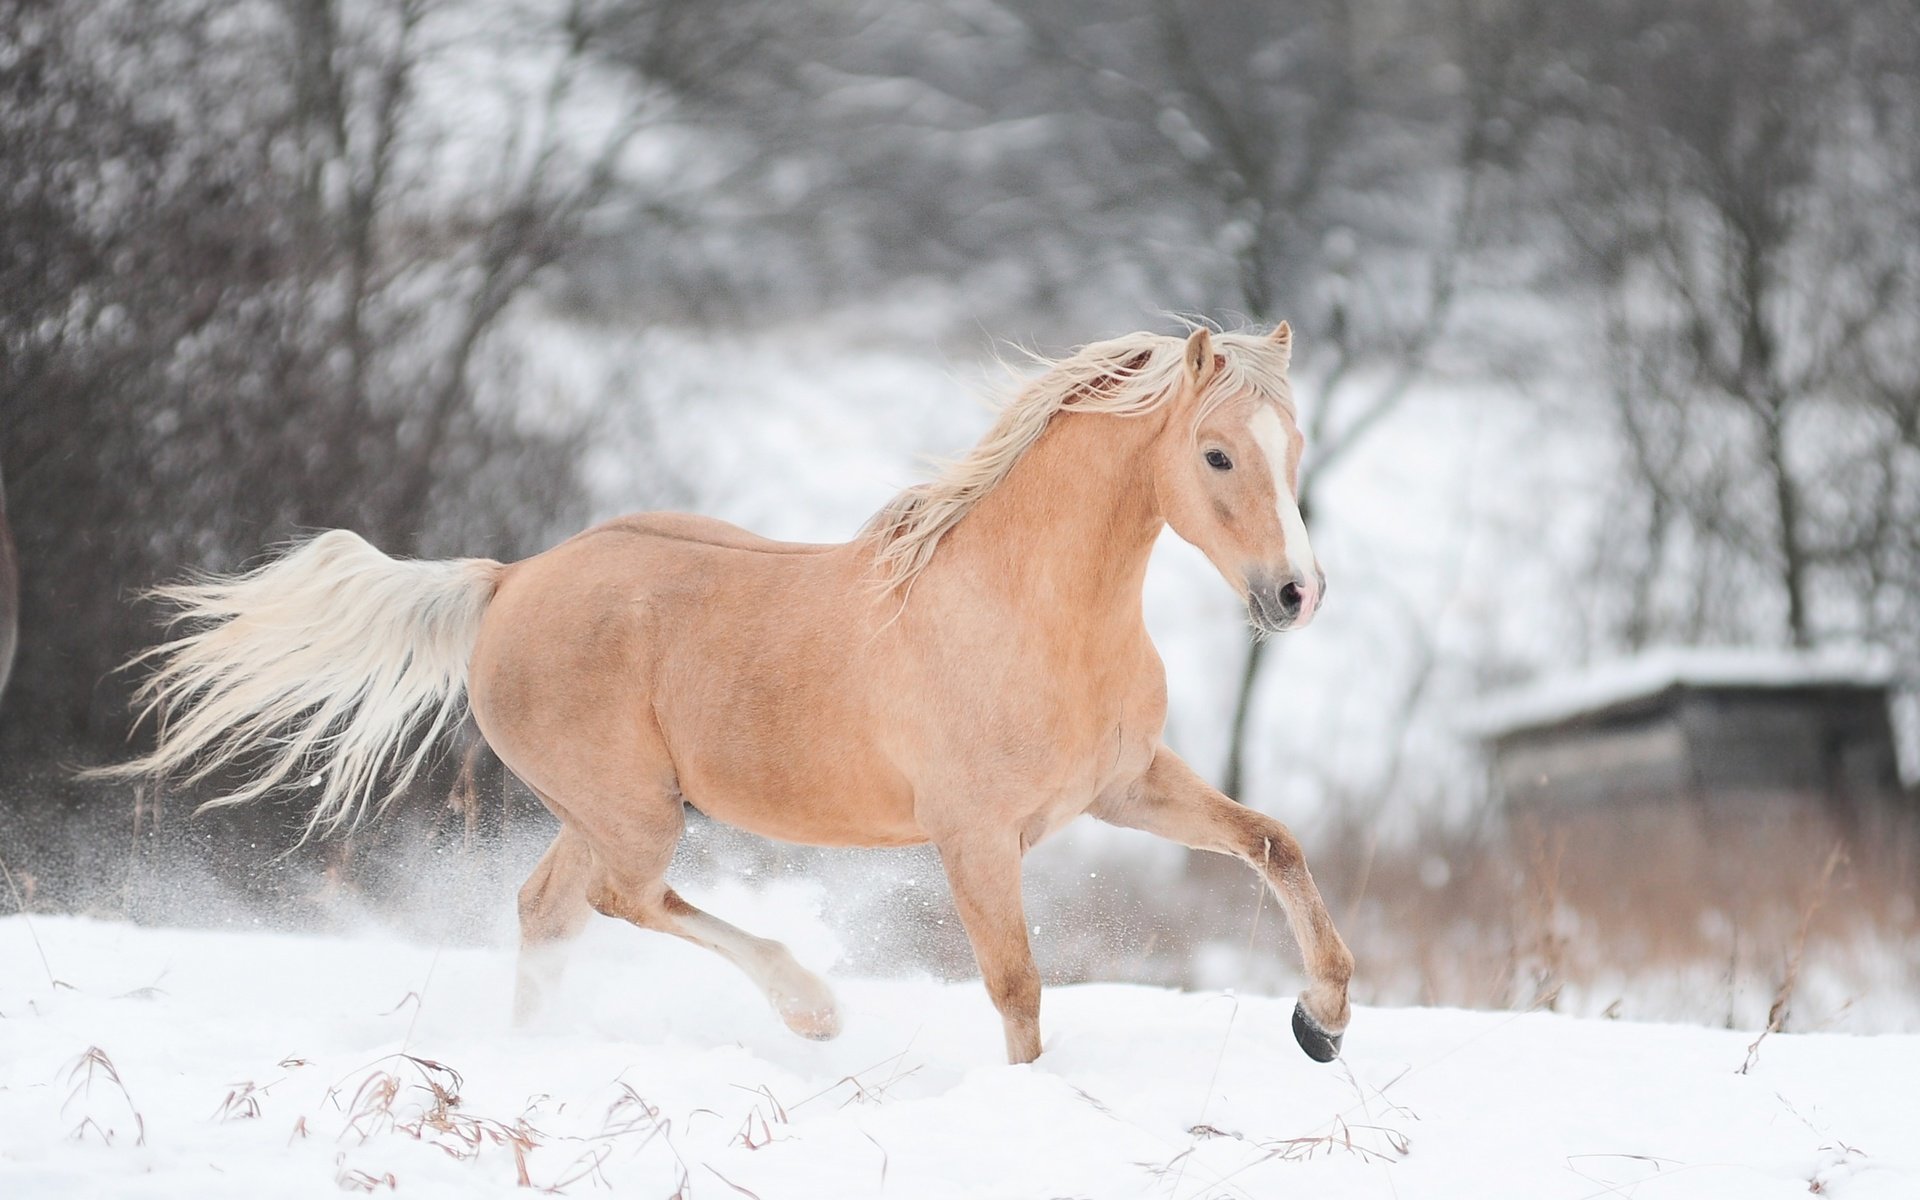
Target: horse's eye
(1218, 460)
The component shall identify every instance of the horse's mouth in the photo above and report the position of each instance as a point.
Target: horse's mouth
(1261, 612)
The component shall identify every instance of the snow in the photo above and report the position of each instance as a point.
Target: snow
(278, 1064)
(1559, 697)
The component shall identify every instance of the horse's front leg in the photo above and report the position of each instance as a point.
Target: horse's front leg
(1172, 801)
(983, 868)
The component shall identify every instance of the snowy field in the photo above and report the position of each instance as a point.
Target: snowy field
(241, 1064)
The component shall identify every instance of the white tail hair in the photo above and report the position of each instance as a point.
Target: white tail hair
(333, 656)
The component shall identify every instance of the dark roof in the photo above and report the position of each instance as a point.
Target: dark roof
(1625, 683)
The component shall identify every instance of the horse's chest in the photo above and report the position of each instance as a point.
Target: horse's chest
(1091, 724)
(1057, 758)
(1076, 777)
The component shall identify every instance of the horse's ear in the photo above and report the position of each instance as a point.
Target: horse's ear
(1199, 357)
(1282, 339)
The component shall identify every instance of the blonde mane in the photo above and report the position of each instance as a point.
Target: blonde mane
(1123, 376)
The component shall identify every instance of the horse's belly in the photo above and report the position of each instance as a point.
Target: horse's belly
(839, 804)
(793, 762)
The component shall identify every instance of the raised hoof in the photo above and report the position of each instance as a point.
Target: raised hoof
(819, 1027)
(1320, 1045)
(815, 1017)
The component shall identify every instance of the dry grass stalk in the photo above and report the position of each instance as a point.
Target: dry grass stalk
(630, 1114)
(860, 1090)
(1341, 1136)
(439, 1121)
(242, 1102)
(1783, 996)
(1369, 1141)
(744, 1136)
(20, 902)
(1548, 946)
(730, 1183)
(772, 1113)
(372, 1105)
(883, 1157)
(1388, 1143)
(1579, 1165)
(1173, 1172)
(93, 1064)
(587, 1166)
(351, 1179)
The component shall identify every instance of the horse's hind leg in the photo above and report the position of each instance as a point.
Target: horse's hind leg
(803, 999)
(553, 907)
(627, 880)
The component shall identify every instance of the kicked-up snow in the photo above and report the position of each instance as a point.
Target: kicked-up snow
(237, 1063)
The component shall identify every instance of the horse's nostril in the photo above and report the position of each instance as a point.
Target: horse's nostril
(1290, 598)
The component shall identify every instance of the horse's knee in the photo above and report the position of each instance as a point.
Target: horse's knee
(1266, 844)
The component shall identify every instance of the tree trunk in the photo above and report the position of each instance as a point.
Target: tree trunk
(9, 594)
(1793, 556)
(1234, 778)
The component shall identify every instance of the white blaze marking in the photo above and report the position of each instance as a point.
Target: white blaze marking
(1270, 434)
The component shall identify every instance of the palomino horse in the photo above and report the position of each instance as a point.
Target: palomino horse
(971, 671)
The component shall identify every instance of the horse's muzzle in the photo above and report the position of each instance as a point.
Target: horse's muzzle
(1276, 604)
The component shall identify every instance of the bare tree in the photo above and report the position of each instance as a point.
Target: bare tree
(1739, 190)
(252, 265)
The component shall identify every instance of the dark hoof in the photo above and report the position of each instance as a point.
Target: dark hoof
(1320, 1045)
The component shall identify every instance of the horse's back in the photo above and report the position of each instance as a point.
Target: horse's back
(603, 607)
(684, 650)
(598, 614)
(707, 531)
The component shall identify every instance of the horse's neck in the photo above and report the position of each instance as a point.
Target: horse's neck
(1071, 527)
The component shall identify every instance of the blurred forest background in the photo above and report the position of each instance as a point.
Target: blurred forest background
(1606, 314)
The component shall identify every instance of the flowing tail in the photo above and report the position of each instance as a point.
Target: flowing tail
(333, 658)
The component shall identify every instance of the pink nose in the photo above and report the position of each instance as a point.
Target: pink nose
(1287, 606)
(1309, 603)
(1300, 598)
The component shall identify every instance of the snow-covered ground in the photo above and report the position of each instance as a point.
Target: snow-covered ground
(242, 1064)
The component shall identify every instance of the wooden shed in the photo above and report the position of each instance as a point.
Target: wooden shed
(1741, 727)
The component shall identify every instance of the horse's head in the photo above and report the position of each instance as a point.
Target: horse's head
(1229, 473)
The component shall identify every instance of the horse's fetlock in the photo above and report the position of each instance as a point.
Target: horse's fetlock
(1023, 1039)
(1340, 970)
